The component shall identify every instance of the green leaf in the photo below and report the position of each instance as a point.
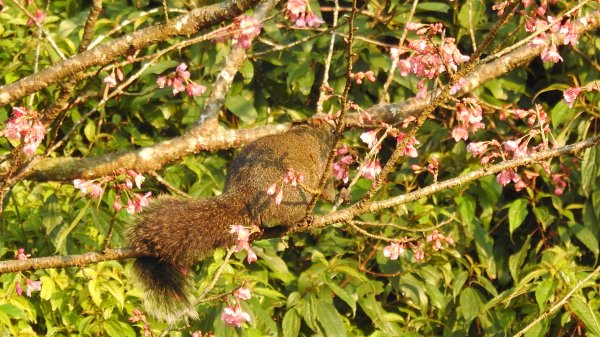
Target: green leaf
(516, 260)
(329, 319)
(589, 169)
(372, 307)
(470, 304)
(587, 237)
(516, 214)
(12, 311)
(458, 282)
(588, 315)
(242, 108)
(90, 130)
(291, 323)
(543, 292)
(247, 71)
(64, 232)
(340, 292)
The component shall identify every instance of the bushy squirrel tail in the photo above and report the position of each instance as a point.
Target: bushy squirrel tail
(170, 235)
(166, 289)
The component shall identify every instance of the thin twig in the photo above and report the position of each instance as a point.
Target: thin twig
(390, 78)
(325, 82)
(39, 25)
(168, 185)
(560, 303)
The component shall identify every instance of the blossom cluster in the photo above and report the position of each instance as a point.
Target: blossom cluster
(358, 77)
(30, 284)
(139, 316)
(428, 60)
(537, 20)
(245, 28)
(290, 177)
(397, 248)
(538, 122)
(469, 115)
(243, 239)
(234, 316)
(571, 94)
(180, 81)
(25, 125)
(123, 182)
(300, 13)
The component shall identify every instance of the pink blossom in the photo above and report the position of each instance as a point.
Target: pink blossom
(138, 202)
(245, 29)
(242, 294)
(559, 183)
(570, 95)
(177, 86)
(117, 203)
(182, 72)
(18, 288)
(369, 138)
(341, 171)
(299, 12)
(393, 250)
(82, 185)
(312, 20)
(38, 17)
(404, 67)
(96, 191)
(234, 316)
(194, 89)
(459, 133)
(477, 148)
(551, 54)
(161, 81)
(409, 149)
(457, 85)
(422, 89)
(436, 238)
(419, 254)
(21, 254)
(25, 124)
(506, 176)
(110, 81)
(137, 177)
(243, 237)
(32, 286)
(251, 255)
(371, 169)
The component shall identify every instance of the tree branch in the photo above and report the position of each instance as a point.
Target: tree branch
(154, 157)
(187, 24)
(319, 221)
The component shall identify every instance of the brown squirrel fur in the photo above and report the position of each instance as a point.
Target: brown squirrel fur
(173, 234)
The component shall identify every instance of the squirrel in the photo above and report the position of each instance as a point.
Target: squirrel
(172, 234)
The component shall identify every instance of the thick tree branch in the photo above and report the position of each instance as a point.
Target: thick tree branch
(66, 261)
(154, 157)
(187, 24)
(319, 221)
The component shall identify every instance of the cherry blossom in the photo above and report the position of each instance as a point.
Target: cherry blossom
(393, 250)
(371, 169)
(234, 316)
(242, 294)
(570, 95)
(245, 28)
(25, 125)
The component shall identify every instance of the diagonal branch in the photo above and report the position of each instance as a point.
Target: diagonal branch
(184, 25)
